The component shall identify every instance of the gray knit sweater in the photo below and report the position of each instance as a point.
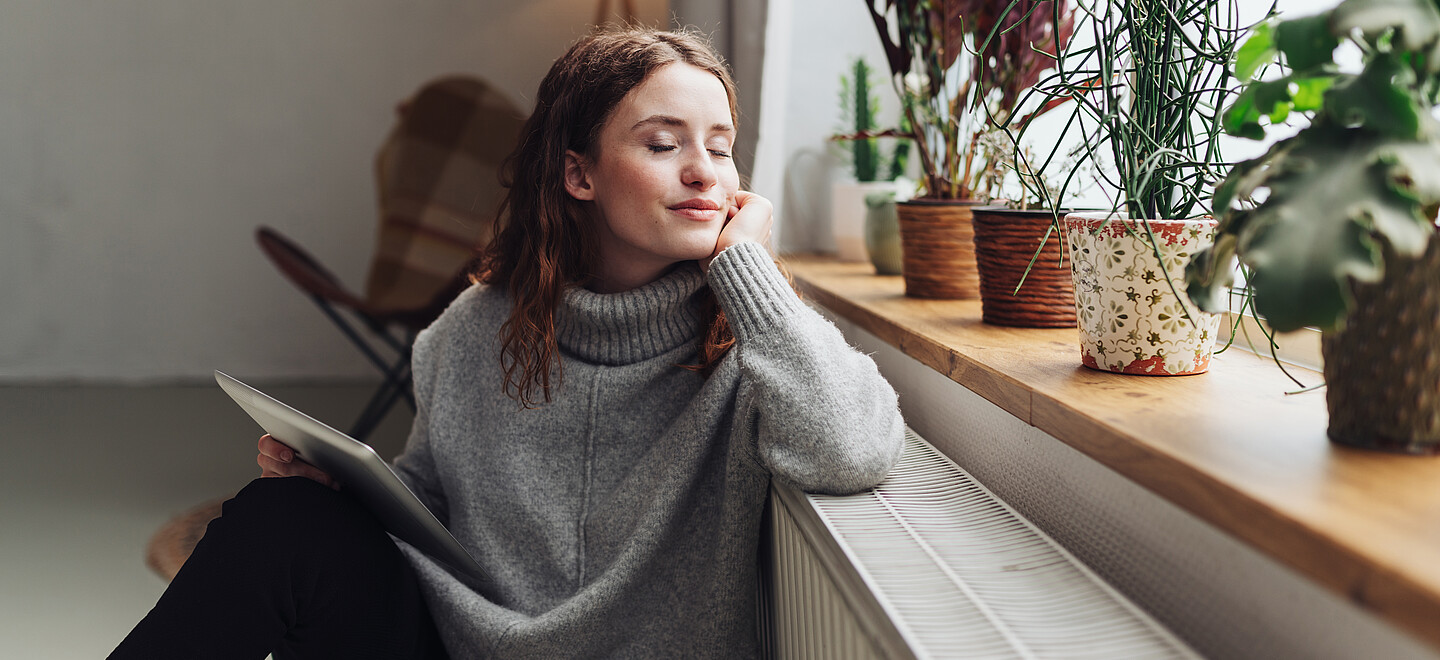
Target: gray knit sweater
(622, 519)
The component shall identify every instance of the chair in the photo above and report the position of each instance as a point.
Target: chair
(439, 191)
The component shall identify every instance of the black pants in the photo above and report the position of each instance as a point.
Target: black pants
(295, 569)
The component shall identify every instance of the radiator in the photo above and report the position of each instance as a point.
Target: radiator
(930, 564)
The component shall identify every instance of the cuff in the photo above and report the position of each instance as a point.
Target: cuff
(751, 290)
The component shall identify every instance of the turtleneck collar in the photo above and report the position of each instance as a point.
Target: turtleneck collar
(635, 325)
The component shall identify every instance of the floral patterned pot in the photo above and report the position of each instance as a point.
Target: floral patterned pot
(1132, 309)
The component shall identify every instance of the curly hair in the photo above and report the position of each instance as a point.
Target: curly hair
(544, 244)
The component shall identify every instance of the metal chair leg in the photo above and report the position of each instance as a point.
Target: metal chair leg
(396, 383)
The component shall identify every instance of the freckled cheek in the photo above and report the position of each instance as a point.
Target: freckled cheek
(648, 181)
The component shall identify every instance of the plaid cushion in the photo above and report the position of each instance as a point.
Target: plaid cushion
(439, 187)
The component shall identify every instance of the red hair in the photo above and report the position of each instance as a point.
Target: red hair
(546, 245)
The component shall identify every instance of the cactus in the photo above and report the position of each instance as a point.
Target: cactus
(865, 150)
(858, 103)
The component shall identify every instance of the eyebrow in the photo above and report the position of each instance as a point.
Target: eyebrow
(667, 120)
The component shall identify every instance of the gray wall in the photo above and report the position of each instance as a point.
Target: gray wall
(141, 142)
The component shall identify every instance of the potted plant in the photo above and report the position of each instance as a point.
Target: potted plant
(1024, 280)
(1147, 88)
(1344, 236)
(944, 91)
(863, 209)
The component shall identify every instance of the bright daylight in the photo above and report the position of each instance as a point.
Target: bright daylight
(773, 329)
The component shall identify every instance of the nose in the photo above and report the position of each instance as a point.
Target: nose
(699, 170)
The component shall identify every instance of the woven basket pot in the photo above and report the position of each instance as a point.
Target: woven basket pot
(1382, 370)
(938, 243)
(1133, 313)
(1005, 244)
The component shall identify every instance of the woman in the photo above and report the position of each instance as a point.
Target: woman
(598, 419)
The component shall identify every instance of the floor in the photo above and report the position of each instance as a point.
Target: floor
(89, 473)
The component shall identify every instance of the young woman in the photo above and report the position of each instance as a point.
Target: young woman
(598, 420)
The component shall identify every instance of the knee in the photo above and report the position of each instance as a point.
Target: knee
(295, 508)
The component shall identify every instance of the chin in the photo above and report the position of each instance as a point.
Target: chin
(699, 248)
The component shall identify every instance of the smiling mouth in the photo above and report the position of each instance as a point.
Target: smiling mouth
(700, 211)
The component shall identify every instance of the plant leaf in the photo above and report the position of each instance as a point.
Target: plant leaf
(1333, 192)
(1309, 92)
(1270, 98)
(1258, 51)
(1307, 42)
(1416, 23)
(1242, 118)
(1377, 99)
(1210, 274)
(1243, 176)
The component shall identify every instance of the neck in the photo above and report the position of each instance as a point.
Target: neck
(619, 275)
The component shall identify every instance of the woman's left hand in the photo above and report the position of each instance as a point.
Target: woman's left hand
(750, 220)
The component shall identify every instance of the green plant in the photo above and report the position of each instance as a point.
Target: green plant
(1319, 208)
(960, 66)
(858, 103)
(1147, 90)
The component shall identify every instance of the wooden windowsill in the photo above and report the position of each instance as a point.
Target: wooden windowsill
(1229, 446)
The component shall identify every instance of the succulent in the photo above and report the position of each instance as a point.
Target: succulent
(1363, 174)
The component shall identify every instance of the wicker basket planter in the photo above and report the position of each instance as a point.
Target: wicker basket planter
(1005, 243)
(1382, 370)
(938, 243)
(1131, 319)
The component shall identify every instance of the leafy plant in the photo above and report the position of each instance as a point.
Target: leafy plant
(1318, 208)
(960, 66)
(1148, 92)
(858, 103)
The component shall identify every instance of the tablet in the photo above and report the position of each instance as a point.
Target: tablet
(361, 471)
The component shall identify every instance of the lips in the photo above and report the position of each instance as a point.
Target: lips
(697, 209)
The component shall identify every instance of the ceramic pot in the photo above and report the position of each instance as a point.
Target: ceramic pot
(882, 234)
(1382, 369)
(938, 243)
(1133, 313)
(1006, 240)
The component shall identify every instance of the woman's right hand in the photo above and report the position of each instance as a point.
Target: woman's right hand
(278, 460)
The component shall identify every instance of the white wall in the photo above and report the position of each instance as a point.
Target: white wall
(141, 142)
(809, 44)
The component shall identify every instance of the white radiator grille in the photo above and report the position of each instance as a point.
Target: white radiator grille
(931, 564)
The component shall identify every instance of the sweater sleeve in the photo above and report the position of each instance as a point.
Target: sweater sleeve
(824, 418)
(416, 464)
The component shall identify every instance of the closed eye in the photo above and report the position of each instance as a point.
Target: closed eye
(661, 148)
(719, 154)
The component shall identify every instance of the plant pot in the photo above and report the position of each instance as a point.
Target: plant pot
(882, 234)
(1005, 244)
(847, 216)
(1133, 313)
(938, 242)
(1382, 369)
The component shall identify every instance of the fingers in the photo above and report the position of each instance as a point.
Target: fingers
(275, 449)
(277, 460)
(751, 219)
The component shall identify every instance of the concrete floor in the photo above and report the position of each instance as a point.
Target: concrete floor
(89, 473)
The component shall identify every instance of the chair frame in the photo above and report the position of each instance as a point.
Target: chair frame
(322, 288)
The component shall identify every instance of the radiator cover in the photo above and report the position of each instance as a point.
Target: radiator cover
(930, 564)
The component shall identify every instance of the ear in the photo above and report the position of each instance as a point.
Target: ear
(577, 176)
